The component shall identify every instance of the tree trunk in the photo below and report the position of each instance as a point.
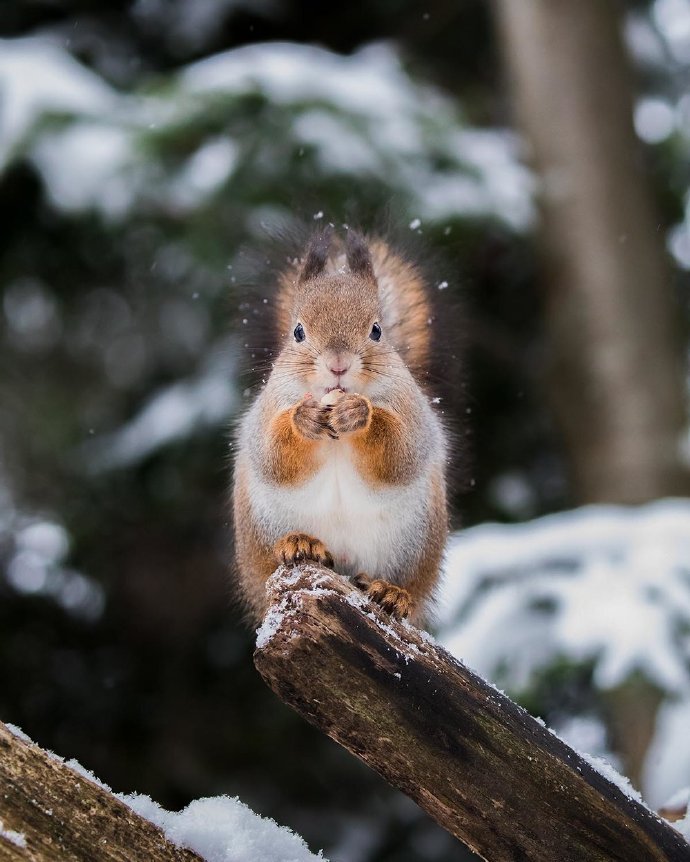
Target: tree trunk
(614, 351)
(50, 813)
(477, 763)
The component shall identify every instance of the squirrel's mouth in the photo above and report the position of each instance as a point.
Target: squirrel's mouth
(334, 388)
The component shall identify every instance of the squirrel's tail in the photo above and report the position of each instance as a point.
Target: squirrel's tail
(406, 308)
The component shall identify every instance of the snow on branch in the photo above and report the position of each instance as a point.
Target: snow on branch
(483, 768)
(53, 810)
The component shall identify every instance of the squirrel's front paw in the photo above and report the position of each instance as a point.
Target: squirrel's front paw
(350, 413)
(312, 419)
(395, 600)
(294, 548)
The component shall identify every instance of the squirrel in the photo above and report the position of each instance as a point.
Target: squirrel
(341, 458)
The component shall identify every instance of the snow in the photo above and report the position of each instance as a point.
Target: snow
(672, 18)
(36, 567)
(655, 120)
(86, 166)
(268, 628)
(36, 77)
(517, 595)
(667, 764)
(221, 829)
(204, 172)
(360, 114)
(603, 767)
(19, 733)
(603, 584)
(683, 826)
(16, 838)
(173, 413)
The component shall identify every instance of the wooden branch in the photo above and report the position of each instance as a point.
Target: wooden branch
(49, 812)
(476, 762)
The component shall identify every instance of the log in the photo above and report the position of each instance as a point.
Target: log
(50, 812)
(484, 769)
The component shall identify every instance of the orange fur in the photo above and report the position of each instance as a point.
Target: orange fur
(292, 458)
(383, 449)
(394, 442)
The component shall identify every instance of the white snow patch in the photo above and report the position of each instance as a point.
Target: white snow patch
(204, 172)
(38, 77)
(268, 628)
(16, 838)
(360, 113)
(221, 829)
(85, 166)
(603, 767)
(19, 733)
(174, 413)
(602, 584)
(75, 766)
(518, 595)
(667, 764)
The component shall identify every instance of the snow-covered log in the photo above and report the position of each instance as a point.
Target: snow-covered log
(482, 767)
(49, 811)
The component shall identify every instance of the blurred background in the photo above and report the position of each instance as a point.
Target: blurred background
(538, 154)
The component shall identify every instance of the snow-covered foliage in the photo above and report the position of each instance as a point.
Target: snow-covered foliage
(355, 115)
(173, 413)
(658, 36)
(605, 588)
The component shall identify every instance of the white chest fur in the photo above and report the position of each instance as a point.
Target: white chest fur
(366, 529)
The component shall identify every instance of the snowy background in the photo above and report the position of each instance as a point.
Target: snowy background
(145, 153)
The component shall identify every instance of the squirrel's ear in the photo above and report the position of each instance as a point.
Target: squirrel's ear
(317, 255)
(358, 256)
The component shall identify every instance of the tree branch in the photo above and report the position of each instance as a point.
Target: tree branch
(49, 812)
(476, 762)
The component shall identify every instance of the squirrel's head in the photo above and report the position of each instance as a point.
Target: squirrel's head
(338, 340)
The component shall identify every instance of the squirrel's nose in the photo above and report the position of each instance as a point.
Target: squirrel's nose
(338, 368)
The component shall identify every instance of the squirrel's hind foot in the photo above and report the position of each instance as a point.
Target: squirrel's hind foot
(394, 600)
(294, 548)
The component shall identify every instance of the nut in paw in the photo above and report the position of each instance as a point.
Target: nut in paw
(294, 548)
(312, 419)
(350, 413)
(395, 600)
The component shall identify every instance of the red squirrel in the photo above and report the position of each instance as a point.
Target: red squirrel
(341, 457)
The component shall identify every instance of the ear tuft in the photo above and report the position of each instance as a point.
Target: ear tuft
(358, 256)
(317, 255)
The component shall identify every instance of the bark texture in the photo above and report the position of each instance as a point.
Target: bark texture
(615, 364)
(65, 817)
(477, 763)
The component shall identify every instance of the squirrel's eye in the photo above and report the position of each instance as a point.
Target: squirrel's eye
(375, 333)
(299, 332)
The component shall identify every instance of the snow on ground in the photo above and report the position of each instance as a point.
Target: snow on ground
(602, 584)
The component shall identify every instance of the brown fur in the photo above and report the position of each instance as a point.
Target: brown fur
(407, 309)
(383, 450)
(255, 559)
(292, 454)
(395, 442)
